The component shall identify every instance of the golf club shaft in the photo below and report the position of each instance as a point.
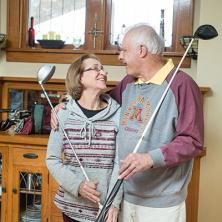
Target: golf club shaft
(107, 205)
(161, 99)
(65, 134)
(109, 201)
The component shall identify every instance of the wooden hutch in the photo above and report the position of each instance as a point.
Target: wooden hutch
(23, 157)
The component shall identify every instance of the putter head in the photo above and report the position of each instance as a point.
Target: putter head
(45, 73)
(205, 32)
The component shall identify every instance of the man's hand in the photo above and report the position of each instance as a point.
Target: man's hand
(54, 122)
(134, 163)
(112, 214)
(87, 189)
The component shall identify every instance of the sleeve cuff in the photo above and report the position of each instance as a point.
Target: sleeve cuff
(158, 158)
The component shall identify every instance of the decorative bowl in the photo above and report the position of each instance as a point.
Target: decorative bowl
(51, 44)
(2, 40)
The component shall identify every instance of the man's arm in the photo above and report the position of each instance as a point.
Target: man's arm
(116, 92)
(188, 141)
(53, 121)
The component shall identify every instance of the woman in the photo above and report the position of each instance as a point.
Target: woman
(91, 122)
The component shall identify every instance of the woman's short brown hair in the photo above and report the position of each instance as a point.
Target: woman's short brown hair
(73, 77)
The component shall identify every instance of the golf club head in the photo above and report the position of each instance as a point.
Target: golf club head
(205, 32)
(45, 73)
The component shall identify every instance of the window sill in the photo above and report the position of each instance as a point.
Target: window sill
(66, 56)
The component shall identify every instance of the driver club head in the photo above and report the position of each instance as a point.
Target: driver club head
(205, 32)
(45, 73)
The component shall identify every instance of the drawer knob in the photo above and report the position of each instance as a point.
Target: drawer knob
(14, 190)
(30, 155)
(3, 189)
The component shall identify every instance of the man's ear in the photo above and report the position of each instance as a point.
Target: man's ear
(143, 51)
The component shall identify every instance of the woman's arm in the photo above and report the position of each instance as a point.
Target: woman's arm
(65, 175)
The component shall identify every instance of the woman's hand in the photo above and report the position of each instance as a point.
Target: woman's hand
(87, 190)
(54, 122)
(112, 214)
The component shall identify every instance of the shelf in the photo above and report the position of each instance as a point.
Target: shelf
(25, 191)
(67, 56)
(32, 139)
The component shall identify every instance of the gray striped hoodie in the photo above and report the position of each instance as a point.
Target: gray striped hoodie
(94, 140)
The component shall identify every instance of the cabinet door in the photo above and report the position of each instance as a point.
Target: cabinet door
(20, 97)
(3, 183)
(30, 186)
(55, 215)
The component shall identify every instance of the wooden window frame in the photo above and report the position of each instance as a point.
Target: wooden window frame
(17, 50)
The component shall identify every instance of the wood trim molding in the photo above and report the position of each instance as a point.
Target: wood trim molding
(67, 56)
(203, 89)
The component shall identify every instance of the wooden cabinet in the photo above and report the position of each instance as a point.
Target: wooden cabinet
(25, 180)
(22, 160)
(29, 183)
(3, 182)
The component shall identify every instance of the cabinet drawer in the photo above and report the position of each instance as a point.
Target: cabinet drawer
(29, 156)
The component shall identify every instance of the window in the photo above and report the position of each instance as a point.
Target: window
(92, 26)
(159, 14)
(61, 19)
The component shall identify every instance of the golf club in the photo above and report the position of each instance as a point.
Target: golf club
(204, 32)
(44, 74)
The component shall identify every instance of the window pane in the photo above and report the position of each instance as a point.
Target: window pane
(158, 13)
(30, 196)
(64, 18)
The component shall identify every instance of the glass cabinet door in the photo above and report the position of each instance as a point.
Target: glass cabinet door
(30, 203)
(29, 195)
(35, 103)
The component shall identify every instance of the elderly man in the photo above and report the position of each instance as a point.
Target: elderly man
(156, 178)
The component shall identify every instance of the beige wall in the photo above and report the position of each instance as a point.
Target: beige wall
(206, 71)
(210, 74)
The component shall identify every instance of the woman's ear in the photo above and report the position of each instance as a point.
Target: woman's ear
(143, 51)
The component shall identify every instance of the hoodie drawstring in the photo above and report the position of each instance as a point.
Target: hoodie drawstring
(91, 131)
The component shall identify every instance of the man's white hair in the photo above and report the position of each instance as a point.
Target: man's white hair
(144, 34)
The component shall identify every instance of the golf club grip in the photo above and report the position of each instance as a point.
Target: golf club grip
(109, 201)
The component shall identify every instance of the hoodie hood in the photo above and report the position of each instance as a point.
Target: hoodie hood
(88, 128)
(112, 107)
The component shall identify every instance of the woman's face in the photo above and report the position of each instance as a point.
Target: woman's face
(93, 76)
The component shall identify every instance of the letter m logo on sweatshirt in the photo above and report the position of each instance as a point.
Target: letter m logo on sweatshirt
(138, 111)
(136, 114)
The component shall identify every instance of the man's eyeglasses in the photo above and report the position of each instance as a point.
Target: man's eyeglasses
(120, 49)
(96, 69)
